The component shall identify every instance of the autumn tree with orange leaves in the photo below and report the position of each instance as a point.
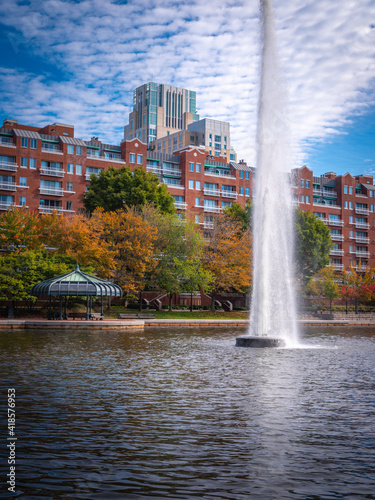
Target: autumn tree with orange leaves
(73, 236)
(227, 257)
(132, 240)
(358, 287)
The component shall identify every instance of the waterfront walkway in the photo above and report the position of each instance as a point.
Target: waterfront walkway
(116, 324)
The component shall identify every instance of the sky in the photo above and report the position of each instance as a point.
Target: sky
(77, 62)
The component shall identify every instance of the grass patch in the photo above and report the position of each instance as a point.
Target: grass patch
(184, 314)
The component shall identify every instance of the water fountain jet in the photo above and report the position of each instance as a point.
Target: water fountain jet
(273, 311)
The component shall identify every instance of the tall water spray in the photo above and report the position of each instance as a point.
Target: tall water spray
(273, 307)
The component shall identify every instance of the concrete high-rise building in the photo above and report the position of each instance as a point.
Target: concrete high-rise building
(212, 135)
(160, 110)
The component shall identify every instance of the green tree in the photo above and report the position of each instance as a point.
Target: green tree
(313, 244)
(178, 250)
(325, 284)
(242, 216)
(20, 271)
(115, 188)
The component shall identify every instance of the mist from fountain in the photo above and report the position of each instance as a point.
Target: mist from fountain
(273, 305)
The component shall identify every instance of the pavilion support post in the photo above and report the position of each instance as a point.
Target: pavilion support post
(102, 307)
(50, 307)
(60, 316)
(87, 308)
(65, 307)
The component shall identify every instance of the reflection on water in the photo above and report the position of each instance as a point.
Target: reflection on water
(184, 414)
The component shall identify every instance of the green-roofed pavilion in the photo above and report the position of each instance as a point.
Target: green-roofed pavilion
(75, 284)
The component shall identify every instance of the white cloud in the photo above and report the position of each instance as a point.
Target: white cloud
(104, 49)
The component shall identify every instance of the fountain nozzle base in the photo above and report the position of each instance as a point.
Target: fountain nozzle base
(247, 341)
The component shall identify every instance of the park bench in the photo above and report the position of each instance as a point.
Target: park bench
(82, 315)
(136, 316)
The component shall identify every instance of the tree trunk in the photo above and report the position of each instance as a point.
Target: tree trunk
(140, 301)
(191, 302)
(330, 306)
(356, 306)
(213, 297)
(170, 301)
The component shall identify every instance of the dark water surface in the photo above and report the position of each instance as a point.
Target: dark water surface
(183, 413)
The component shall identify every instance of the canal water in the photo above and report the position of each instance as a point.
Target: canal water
(183, 414)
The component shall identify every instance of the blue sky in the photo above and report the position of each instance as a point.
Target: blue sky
(77, 62)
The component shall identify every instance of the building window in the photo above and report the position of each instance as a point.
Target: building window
(191, 184)
(198, 168)
(24, 142)
(22, 201)
(79, 150)
(240, 190)
(33, 143)
(226, 204)
(23, 181)
(351, 219)
(302, 183)
(345, 204)
(70, 149)
(191, 167)
(198, 185)
(69, 205)
(345, 189)
(131, 157)
(371, 193)
(307, 198)
(308, 184)
(350, 205)
(247, 191)
(350, 190)
(241, 174)
(70, 168)
(140, 159)
(371, 208)
(78, 169)
(197, 218)
(302, 198)
(24, 162)
(197, 202)
(247, 175)
(69, 186)
(32, 162)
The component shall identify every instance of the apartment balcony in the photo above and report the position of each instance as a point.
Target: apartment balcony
(322, 192)
(326, 205)
(361, 211)
(54, 172)
(10, 167)
(88, 176)
(91, 154)
(215, 174)
(8, 186)
(6, 206)
(211, 192)
(50, 210)
(361, 239)
(337, 237)
(360, 195)
(51, 191)
(208, 225)
(229, 194)
(333, 222)
(172, 185)
(180, 205)
(336, 251)
(361, 269)
(362, 225)
(337, 267)
(171, 171)
(7, 142)
(362, 255)
(104, 158)
(55, 151)
(215, 210)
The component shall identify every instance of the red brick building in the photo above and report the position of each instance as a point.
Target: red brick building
(49, 169)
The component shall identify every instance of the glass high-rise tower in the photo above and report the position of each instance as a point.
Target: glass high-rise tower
(160, 110)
